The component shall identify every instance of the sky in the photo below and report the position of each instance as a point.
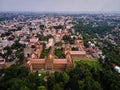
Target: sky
(60, 5)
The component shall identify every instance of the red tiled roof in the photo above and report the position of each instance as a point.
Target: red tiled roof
(37, 61)
(5, 65)
(55, 61)
(77, 52)
(60, 61)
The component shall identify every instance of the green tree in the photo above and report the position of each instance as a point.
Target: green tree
(41, 88)
(24, 88)
(81, 84)
(57, 87)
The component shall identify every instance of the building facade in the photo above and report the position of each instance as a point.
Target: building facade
(50, 63)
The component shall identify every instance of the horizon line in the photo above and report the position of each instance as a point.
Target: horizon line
(69, 12)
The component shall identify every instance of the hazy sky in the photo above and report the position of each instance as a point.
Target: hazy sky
(60, 5)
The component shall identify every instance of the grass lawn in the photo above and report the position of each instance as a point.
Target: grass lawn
(91, 62)
(87, 59)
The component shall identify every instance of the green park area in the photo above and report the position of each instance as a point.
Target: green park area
(90, 62)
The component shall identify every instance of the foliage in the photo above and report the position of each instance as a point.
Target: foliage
(42, 26)
(44, 52)
(59, 53)
(106, 77)
(18, 78)
(59, 27)
(84, 76)
(68, 39)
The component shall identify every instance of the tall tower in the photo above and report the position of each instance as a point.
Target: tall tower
(49, 60)
(69, 60)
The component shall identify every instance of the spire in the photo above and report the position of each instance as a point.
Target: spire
(49, 59)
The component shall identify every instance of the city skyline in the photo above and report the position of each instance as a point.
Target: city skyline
(60, 5)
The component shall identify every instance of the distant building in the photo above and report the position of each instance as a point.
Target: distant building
(34, 39)
(3, 64)
(2, 60)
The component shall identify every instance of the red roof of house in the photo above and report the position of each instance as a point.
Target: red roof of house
(37, 61)
(5, 65)
(77, 52)
(60, 61)
(55, 61)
